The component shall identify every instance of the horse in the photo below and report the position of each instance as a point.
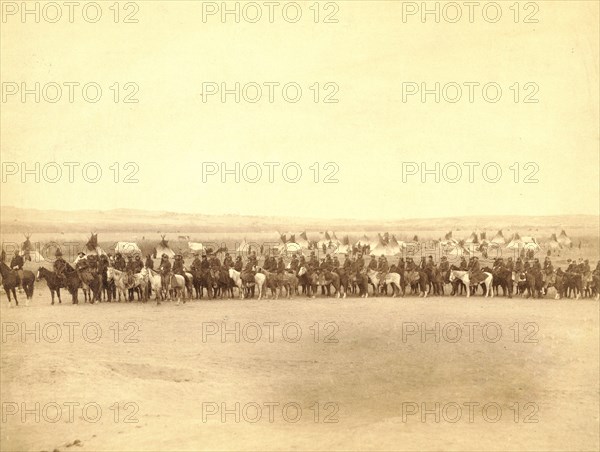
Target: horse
(534, 283)
(418, 281)
(202, 278)
(91, 284)
(362, 283)
(109, 291)
(237, 281)
(10, 281)
(437, 279)
(52, 281)
(346, 281)
(290, 281)
(273, 282)
(155, 280)
(176, 286)
(392, 279)
(121, 282)
(259, 282)
(305, 281)
(222, 283)
(573, 284)
(465, 278)
(556, 280)
(326, 280)
(502, 278)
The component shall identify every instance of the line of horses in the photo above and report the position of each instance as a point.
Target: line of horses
(110, 284)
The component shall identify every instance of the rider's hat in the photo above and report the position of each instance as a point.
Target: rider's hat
(58, 253)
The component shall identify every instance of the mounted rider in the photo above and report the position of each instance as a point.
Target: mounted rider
(475, 273)
(360, 262)
(16, 264)
(463, 266)
(196, 263)
(204, 263)
(383, 268)
(130, 268)
(238, 266)
(215, 263)
(149, 262)
(164, 267)
(294, 264)
(60, 267)
(228, 261)
(444, 265)
(179, 269)
(119, 262)
(138, 263)
(372, 264)
(336, 263)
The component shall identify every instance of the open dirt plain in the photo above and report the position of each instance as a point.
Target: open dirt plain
(326, 374)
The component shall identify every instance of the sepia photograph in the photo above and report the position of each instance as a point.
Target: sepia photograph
(312, 225)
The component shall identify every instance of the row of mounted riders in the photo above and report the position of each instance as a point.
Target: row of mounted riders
(106, 279)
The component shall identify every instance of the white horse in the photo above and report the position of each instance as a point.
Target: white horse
(390, 278)
(155, 281)
(464, 277)
(259, 281)
(237, 280)
(119, 278)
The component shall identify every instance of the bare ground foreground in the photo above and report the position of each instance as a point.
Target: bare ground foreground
(154, 393)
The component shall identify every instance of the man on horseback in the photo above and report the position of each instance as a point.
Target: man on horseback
(475, 273)
(228, 261)
(59, 267)
(149, 262)
(239, 265)
(119, 262)
(215, 263)
(204, 264)
(16, 264)
(463, 264)
(444, 265)
(138, 264)
(335, 265)
(164, 268)
(360, 262)
(130, 268)
(178, 268)
(294, 264)
(372, 264)
(302, 262)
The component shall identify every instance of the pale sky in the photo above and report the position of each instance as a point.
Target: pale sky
(369, 134)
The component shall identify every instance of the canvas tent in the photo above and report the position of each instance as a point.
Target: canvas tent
(395, 247)
(473, 239)
(379, 249)
(553, 243)
(164, 248)
(344, 247)
(289, 248)
(196, 247)
(530, 243)
(564, 240)
(92, 247)
(515, 242)
(363, 241)
(128, 249)
(499, 239)
(303, 241)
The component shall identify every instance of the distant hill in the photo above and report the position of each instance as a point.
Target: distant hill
(16, 220)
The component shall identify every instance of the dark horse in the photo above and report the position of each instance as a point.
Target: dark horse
(10, 281)
(52, 281)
